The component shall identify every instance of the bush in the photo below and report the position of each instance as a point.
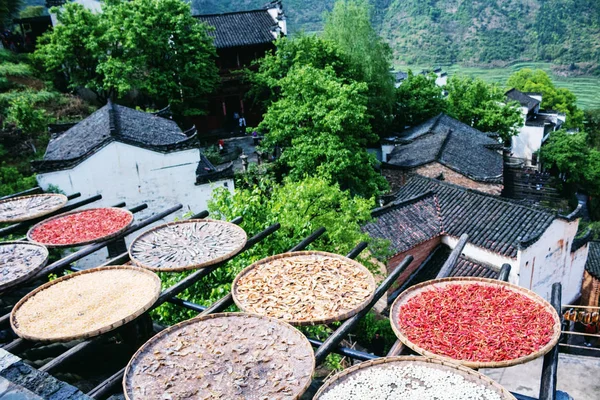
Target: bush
(12, 181)
(26, 116)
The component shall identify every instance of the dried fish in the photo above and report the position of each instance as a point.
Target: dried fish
(218, 366)
(19, 260)
(28, 207)
(304, 287)
(187, 245)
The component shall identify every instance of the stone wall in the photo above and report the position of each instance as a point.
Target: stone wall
(397, 178)
(21, 381)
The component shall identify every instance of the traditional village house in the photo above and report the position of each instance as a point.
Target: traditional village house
(427, 217)
(445, 147)
(133, 156)
(240, 38)
(441, 78)
(590, 292)
(537, 125)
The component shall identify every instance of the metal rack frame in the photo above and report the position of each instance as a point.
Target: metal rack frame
(322, 348)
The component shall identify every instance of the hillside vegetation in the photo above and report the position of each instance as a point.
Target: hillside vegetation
(462, 31)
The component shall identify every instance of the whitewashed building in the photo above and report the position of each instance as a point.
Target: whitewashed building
(129, 155)
(537, 125)
(427, 217)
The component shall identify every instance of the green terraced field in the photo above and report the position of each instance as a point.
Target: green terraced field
(586, 88)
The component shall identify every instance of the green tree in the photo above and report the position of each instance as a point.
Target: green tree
(290, 52)
(321, 123)
(417, 99)
(348, 25)
(482, 106)
(592, 127)
(12, 180)
(153, 46)
(568, 154)
(299, 207)
(26, 116)
(553, 98)
(74, 48)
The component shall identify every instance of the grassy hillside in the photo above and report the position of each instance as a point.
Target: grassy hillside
(476, 32)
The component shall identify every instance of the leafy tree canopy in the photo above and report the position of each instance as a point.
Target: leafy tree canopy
(301, 50)
(567, 153)
(348, 25)
(482, 106)
(592, 127)
(553, 98)
(417, 99)
(321, 123)
(153, 46)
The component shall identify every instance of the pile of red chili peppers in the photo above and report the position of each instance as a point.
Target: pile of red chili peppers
(475, 322)
(80, 227)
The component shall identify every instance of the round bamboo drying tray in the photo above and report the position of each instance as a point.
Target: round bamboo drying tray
(84, 298)
(305, 288)
(83, 242)
(19, 261)
(185, 245)
(381, 363)
(236, 355)
(24, 208)
(417, 289)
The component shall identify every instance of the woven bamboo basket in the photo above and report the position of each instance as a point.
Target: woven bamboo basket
(417, 289)
(304, 322)
(58, 201)
(85, 242)
(184, 245)
(153, 346)
(152, 292)
(467, 373)
(27, 271)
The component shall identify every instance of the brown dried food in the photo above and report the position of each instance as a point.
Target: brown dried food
(85, 304)
(306, 287)
(25, 208)
(222, 356)
(19, 261)
(191, 244)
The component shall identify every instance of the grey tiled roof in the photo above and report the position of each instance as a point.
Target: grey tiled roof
(468, 267)
(592, 264)
(494, 223)
(113, 122)
(407, 223)
(522, 98)
(108, 124)
(464, 266)
(458, 146)
(243, 28)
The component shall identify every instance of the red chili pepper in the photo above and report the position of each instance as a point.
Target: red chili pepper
(476, 322)
(83, 226)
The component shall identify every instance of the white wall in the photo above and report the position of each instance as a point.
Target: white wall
(93, 5)
(482, 255)
(528, 141)
(550, 260)
(386, 149)
(121, 172)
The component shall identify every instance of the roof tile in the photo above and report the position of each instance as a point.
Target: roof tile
(243, 28)
(448, 141)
